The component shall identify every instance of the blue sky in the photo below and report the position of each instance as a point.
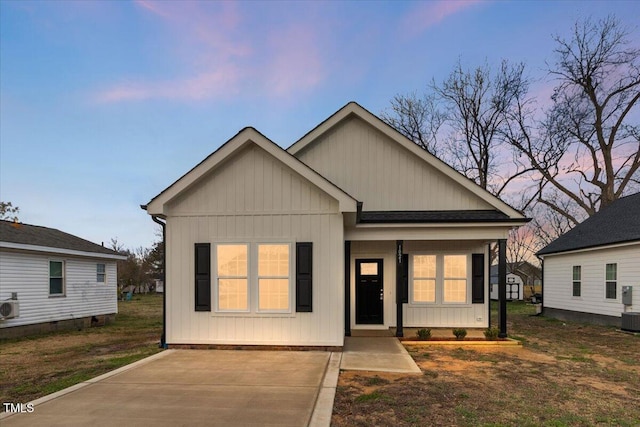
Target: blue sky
(104, 104)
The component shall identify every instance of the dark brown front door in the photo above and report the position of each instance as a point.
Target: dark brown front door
(369, 292)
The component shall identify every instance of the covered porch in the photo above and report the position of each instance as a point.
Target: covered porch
(433, 277)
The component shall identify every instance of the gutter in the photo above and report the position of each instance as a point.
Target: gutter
(163, 337)
(163, 340)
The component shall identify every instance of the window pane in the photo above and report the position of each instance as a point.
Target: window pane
(577, 271)
(232, 260)
(100, 268)
(611, 290)
(232, 294)
(273, 260)
(455, 290)
(576, 289)
(455, 266)
(273, 294)
(612, 271)
(55, 268)
(369, 269)
(100, 278)
(55, 286)
(424, 266)
(424, 290)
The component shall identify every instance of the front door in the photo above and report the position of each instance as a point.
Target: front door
(369, 292)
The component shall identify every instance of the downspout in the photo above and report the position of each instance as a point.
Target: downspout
(163, 341)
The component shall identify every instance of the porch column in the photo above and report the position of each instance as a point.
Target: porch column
(399, 289)
(347, 288)
(502, 287)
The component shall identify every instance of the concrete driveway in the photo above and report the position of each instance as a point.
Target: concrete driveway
(198, 387)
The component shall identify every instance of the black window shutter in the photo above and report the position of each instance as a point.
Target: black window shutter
(477, 278)
(203, 276)
(304, 285)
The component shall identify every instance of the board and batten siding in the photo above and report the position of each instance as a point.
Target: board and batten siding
(558, 280)
(428, 315)
(28, 274)
(253, 198)
(378, 171)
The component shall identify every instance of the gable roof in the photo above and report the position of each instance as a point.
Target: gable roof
(617, 223)
(354, 109)
(44, 239)
(246, 136)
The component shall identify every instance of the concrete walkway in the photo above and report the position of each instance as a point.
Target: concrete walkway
(196, 387)
(384, 354)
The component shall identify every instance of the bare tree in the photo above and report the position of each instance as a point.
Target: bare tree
(468, 131)
(8, 211)
(418, 119)
(588, 146)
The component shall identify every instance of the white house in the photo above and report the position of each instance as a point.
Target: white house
(51, 280)
(587, 272)
(352, 227)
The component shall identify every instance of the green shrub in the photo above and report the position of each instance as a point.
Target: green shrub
(491, 333)
(424, 334)
(460, 333)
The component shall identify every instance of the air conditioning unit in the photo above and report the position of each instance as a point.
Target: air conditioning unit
(9, 309)
(631, 322)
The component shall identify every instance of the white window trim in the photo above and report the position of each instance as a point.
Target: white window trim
(253, 303)
(612, 300)
(439, 301)
(104, 282)
(574, 280)
(64, 278)
(412, 279)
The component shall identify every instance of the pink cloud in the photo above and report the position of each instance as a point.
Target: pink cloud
(429, 13)
(222, 57)
(295, 64)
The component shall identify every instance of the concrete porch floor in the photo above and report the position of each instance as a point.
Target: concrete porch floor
(376, 353)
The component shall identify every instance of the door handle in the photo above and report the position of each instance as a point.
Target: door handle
(381, 295)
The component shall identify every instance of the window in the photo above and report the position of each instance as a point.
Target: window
(455, 278)
(424, 278)
(577, 275)
(233, 291)
(273, 277)
(56, 278)
(611, 281)
(253, 277)
(101, 276)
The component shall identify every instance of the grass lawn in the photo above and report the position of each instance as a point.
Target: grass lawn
(565, 374)
(36, 366)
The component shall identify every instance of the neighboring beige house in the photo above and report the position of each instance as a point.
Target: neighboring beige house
(352, 227)
(592, 272)
(51, 280)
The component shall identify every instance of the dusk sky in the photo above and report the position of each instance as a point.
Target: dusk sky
(103, 104)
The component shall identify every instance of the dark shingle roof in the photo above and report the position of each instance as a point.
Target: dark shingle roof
(49, 237)
(368, 217)
(617, 223)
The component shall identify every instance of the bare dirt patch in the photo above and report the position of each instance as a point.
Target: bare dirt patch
(564, 375)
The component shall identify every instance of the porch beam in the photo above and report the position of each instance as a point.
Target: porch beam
(502, 287)
(347, 288)
(399, 289)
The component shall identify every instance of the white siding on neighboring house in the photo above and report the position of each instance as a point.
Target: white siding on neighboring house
(558, 280)
(374, 169)
(254, 198)
(28, 274)
(422, 315)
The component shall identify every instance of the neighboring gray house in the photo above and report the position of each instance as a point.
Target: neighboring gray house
(51, 280)
(352, 227)
(587, 271)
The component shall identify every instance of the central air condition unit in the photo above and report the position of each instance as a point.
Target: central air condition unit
(9, 309)
(631, 322)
